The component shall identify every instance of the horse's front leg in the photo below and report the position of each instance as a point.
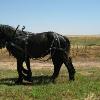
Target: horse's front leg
(19, 70)
(28, 70)
(29, 74)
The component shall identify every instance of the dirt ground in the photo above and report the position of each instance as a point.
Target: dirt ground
(11, 65)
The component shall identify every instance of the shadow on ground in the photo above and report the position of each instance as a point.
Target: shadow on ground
(36, 80)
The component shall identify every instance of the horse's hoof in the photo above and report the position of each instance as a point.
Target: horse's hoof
(71, 79)
(18, 82)
(27, 78)
(52, 80)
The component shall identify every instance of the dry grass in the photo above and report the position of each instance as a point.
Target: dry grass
(83, 47)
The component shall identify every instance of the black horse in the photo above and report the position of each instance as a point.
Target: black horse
(25, 45)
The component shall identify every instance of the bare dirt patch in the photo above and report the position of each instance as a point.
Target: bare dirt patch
(34, 65)
(4, 65)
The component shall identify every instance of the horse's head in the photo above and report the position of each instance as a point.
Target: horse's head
(6, 34)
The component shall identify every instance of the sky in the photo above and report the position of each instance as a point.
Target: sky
(68, 17)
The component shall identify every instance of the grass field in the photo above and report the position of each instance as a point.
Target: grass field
(85, 87)
(85, 47)
(85, 40)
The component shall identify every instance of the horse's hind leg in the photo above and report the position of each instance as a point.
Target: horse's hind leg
(70, 67)
(57, 62)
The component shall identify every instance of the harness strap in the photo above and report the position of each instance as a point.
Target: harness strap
(56, 37)
(26, 45)
(16, 29)
(54, 42)
(55, 45)
(23, 28)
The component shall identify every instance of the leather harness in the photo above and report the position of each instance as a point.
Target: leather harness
(56, 42)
